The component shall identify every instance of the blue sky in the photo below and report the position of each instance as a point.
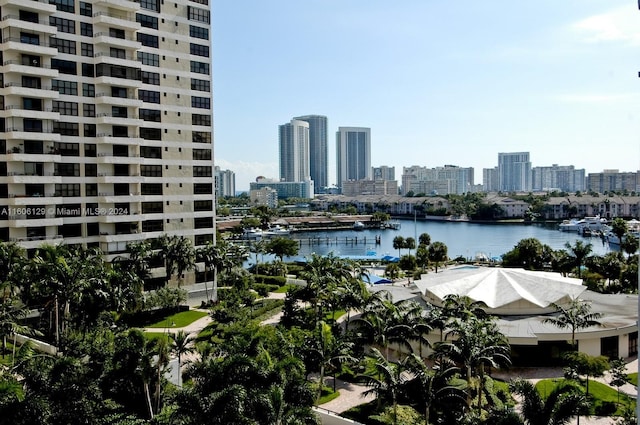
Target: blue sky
(438, 82)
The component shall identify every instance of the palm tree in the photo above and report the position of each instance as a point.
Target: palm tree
(258, 247)
(437, 253)
(398, 243)
(579, 251)
(181, 344)
(385, 379)
(563, 403)
(215, 258)
(184, 256)
(410, 243)
(424, 239)
(577, 315)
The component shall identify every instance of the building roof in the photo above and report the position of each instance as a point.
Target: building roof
(504, 291)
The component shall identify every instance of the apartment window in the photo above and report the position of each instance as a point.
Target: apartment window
(205, 2)
(67, 189)
(90, 189)
(201, 154)
(65, 108)
(64, 67)
(30, 146)
(201, 171)
(32, 82)
(119, 111)
(120, 151)
(65, 87)
(148, 40)
(90, 150)
(151, 152)
(120, 131)
(87, 70)
(200, 102)
(121, 189)
(199, 50)
(88, 90)
(28, 38)
(68, 149)
(118, 92)
(150, 5)
(149, 96)
(32, 125)
(150, 59)
(152, 208)
(121, 170)
(63, 46)
(200, 67)
(202, 205)
(86, 9)
(200, 85)
(151, 170)
(197, 14)
(202, 189)
(116, 33)
(117, 53)
(64, 5)
(90, 129)
(91, 170)
(70, 230)
(86, 29)
(27, 16)
(31, 104)
(147, 21)
(201, 137)
(203, 222)
(63, 25)
(198, 119)
(150, 115)
(150, 133)
(151, 188)
(66, 170)
(152, 226)
(86, 49)
(66, 128)
(150, 78)
(88, 110)
(198, 32)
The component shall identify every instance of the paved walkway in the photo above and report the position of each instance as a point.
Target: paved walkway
(350, 396)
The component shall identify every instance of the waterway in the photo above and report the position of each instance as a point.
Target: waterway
(462, 239)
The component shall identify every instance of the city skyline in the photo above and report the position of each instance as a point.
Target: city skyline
(438, 83)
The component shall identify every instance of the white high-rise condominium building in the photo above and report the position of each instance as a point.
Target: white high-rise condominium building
(106, 123)
(318, 150)
(225, 182)
(294, 151)
(353, 154)
(514, 169)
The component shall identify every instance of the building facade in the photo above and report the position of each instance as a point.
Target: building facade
(353, 154)
(286, 189)
(613, 181)
(384, 172)
(369, 187)
(490, 179)
(225, 181)
(106, 125)
(318, 150)
(294, 151)
(264, 196)
(558, 177)
(449, 179)
(514, 169)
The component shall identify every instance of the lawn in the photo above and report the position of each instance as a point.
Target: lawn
(327, 395)
(283, 289)
(599, 394)
(633, 378)
(179, 320)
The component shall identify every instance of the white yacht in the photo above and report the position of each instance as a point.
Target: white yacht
(633, 227)
(579, 226)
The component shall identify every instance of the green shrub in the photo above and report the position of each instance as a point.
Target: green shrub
(607, 408)
(271, 280)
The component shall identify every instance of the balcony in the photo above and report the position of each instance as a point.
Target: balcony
(14, 21)
(128, 60)
(17, 111)
(18, 45)
(106, 99)
(40, 6)
(112, 120)
(18, 90)
(125, 5)
(122, 43)
(125, 21)
(34, 69)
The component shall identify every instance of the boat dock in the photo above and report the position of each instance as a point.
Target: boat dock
(329, 241)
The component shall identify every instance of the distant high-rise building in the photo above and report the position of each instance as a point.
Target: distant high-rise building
(294, 151)
(514, 169)
(449, 179)
(558, 177)
(225, 182)
(613, 181)
(384, 173)
(353, 154)
(490, 179)
(318, 150)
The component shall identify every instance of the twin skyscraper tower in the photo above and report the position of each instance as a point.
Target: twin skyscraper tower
(304, 152)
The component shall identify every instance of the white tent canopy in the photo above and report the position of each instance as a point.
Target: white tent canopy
(504, 291)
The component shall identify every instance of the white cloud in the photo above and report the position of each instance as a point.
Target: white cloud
(247, 172)
(618, 25)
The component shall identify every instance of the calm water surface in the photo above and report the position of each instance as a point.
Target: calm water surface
(465, 239)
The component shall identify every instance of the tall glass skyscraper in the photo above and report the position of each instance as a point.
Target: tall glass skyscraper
(514, 170)
(294, 151)
(353, 154)
(318, 150)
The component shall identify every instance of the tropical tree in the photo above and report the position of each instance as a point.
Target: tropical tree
(424, 239)
(12, 315)
(181, 344)
(12, 267)
(584, 364)
(422, 256)
(385, 379)
(575, 316)
(579, 252)
(410, 243)
(629, 244)
(178, 255)
(258, 247)
(437, 253)
(398, 243)
(619, 227)
(392, 271)
(215, 258)
(618, 374)
(281, 247)
(565, 401)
